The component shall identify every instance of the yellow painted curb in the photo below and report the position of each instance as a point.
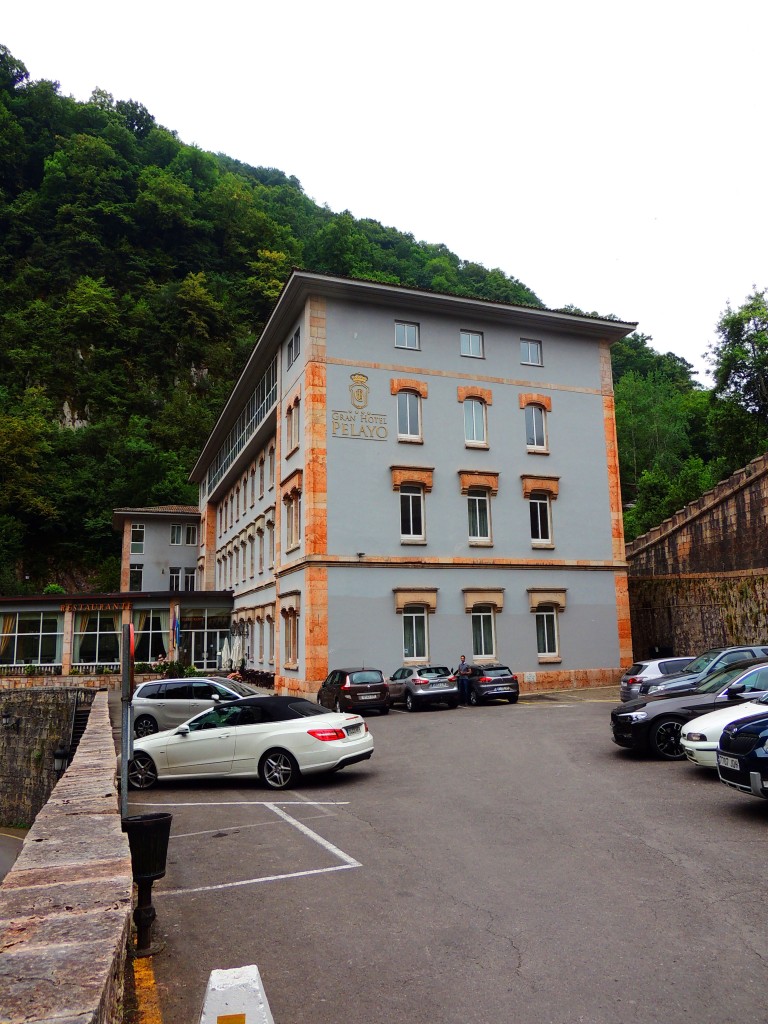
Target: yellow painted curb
(146, 992)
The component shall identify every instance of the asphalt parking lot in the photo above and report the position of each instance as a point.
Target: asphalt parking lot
(498, 863)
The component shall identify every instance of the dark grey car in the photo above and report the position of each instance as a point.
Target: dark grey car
(490, 682)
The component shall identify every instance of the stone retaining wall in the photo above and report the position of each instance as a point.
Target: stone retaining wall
(65, 905)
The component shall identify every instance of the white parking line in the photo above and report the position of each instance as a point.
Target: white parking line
(347, 861)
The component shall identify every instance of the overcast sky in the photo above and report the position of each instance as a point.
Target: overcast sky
(609, 155)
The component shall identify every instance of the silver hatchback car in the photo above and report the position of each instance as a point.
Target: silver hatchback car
(166, 703)
(644, 671)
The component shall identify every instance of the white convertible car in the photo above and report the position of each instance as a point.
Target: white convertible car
(701, 735)
(275, 739)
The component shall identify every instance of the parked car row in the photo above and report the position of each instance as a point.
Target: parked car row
(721, 723)
(670, 675)
(360, 689)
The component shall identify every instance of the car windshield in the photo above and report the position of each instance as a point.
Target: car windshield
(704, 660)
(719, 680)
(371, 676)
(435, 670)
(244, 689)
(216, 718)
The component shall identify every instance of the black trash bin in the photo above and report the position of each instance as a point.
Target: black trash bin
(148, 836)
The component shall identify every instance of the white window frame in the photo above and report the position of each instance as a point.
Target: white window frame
(137, 538)
(136, 570)
(471, 344)
(407, 402)
(530, 352)
(190, 535)
(176, 534)
(415, 630)
(294, 347)
(484, 629)
(477, 499)
(407, 335)
(174, 578)
(411, 497)
(547, 632)
(476, 410)
(536, 428)
(190, 574)
(538, 501)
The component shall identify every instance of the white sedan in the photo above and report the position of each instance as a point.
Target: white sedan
(701, 735)
(275, 739)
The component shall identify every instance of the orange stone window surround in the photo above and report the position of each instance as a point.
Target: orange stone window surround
(421, 475)
(398, 384)
(542, 484)
(474, 478)
(473, 391)
(530, 398)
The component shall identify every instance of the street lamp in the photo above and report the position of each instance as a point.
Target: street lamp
(60, 758)
(9, 720)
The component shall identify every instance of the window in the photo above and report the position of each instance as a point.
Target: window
(530, 352)
(151, 632)
(189, 579)
(175, 533)
(96, 638)
(261, 551)
(535, 428)
(471, 343)
(31, 638)
(541, 533)
(474, 421)
(260, 630)
(270, 641)
(294, 346)
(479, 515)
(190, 535)
(174, 577)
(136, 577)
(414, 632)
(411, 512)
(272, 466)
(137, 538)
(406, 335)
(291, 638)
(292, 426)
(408, 415)
(483, 645)
(292, 520)
(546, 632)
(261, 477)
(271, 543)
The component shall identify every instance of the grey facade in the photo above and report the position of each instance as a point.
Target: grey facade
(404, 475)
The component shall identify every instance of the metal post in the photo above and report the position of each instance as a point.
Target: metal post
(126, 735)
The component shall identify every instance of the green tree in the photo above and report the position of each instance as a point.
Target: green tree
(740, 356)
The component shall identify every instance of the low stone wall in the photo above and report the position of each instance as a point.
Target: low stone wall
(65, 905)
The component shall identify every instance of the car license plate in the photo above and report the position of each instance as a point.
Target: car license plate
(728, 762)
(369, 696)
(353, 730)
(437, 686)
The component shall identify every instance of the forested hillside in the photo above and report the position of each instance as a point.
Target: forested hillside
(135, 274)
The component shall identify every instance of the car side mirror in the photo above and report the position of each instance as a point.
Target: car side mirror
(735, 690)
(216, 696)
(183, 730)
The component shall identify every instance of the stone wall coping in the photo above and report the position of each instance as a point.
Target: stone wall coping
(716, 496)
(65, 905)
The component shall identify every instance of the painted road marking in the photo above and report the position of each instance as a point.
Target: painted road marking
(347, 862)
(146, 992)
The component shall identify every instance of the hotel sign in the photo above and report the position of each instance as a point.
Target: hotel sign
(357, 421)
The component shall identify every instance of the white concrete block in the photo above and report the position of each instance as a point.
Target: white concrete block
(236, 997)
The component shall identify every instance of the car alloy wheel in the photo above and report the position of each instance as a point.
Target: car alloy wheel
(145, 725)
(474, 698)
(512, 699)
(665, 739)
(278, 769)
(141, 771)
(410, 703)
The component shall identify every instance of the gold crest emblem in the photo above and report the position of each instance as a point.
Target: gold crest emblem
(358, 390)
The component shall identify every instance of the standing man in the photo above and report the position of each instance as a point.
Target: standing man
(462, 672)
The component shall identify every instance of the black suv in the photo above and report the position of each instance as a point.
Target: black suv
(488, 682)
(742, 756)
